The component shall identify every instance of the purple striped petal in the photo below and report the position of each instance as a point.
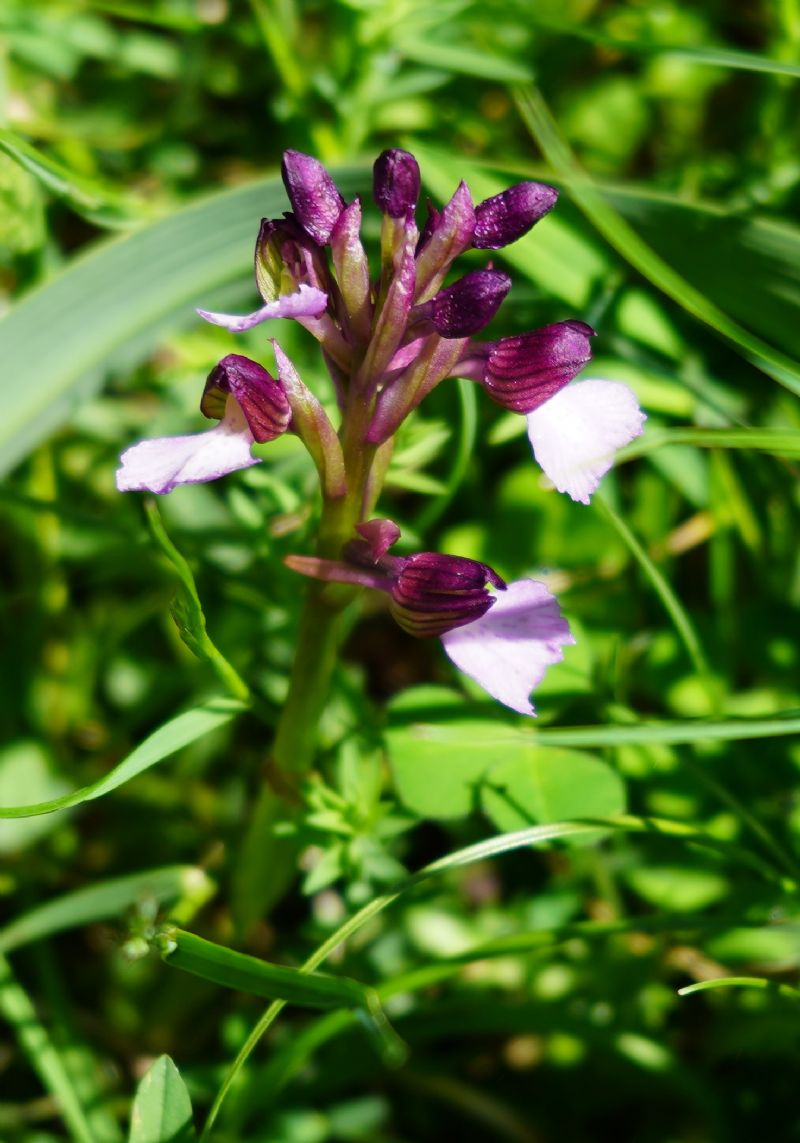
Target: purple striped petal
(525, 371)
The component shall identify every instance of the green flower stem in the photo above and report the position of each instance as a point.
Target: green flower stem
(267, 859)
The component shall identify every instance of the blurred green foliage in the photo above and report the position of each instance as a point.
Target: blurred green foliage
(537, 989)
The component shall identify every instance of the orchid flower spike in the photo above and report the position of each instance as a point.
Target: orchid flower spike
(574, 429)
(250, 406)
(503, 636)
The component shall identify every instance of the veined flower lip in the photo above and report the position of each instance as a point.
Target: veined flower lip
(161, 464)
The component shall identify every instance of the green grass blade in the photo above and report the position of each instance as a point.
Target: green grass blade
(675, 733)
(642, 257)
(107, 899)
(169, 738)
(742, 982)
(672, 605)
(17, 1009)
(112, 305)
(482, 851)
(246, 973)
(778, 442)
(88, 197)
(704, 57)
(463, 59)
(187, 610)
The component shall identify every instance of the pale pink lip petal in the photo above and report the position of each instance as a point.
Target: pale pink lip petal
(158, 465)
(576, 432)
(508, 650)
(307, 301)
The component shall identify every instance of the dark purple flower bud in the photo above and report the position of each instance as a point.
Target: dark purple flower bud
(313, 194)
(396, 183)
(432, 593)
(261, 397)
(507, 216)
(523, 372)
(469, 304)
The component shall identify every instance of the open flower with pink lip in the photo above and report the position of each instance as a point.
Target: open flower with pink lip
(250, 405)
(503, 636)
(574, 429)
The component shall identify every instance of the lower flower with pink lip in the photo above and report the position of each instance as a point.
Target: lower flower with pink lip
(250, 405)
(503, 636)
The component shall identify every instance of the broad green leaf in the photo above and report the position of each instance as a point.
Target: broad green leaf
(437, 782)
(162, 1109)
(106, 899)
(169, 738)
(114, 303)
(550, 784)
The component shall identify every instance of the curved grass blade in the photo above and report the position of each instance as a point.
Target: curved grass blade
(187, 610)
(642, 257)
(481, 851)
(90, 198)
(169, 738)
(758, 982)
(778, 442)
(308, 989)
(112, 304)
(107, 899)
(704, 57)
(17, 1008)
(672, 605)
(641, 734)
(246, 973)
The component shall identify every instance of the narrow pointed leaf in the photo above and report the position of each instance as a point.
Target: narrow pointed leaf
(169, 738)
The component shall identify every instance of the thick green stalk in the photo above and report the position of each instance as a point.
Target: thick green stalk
(268, 856)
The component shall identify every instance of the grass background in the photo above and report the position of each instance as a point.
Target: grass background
(537, 988)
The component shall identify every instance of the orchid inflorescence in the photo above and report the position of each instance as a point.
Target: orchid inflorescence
(387, 344)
